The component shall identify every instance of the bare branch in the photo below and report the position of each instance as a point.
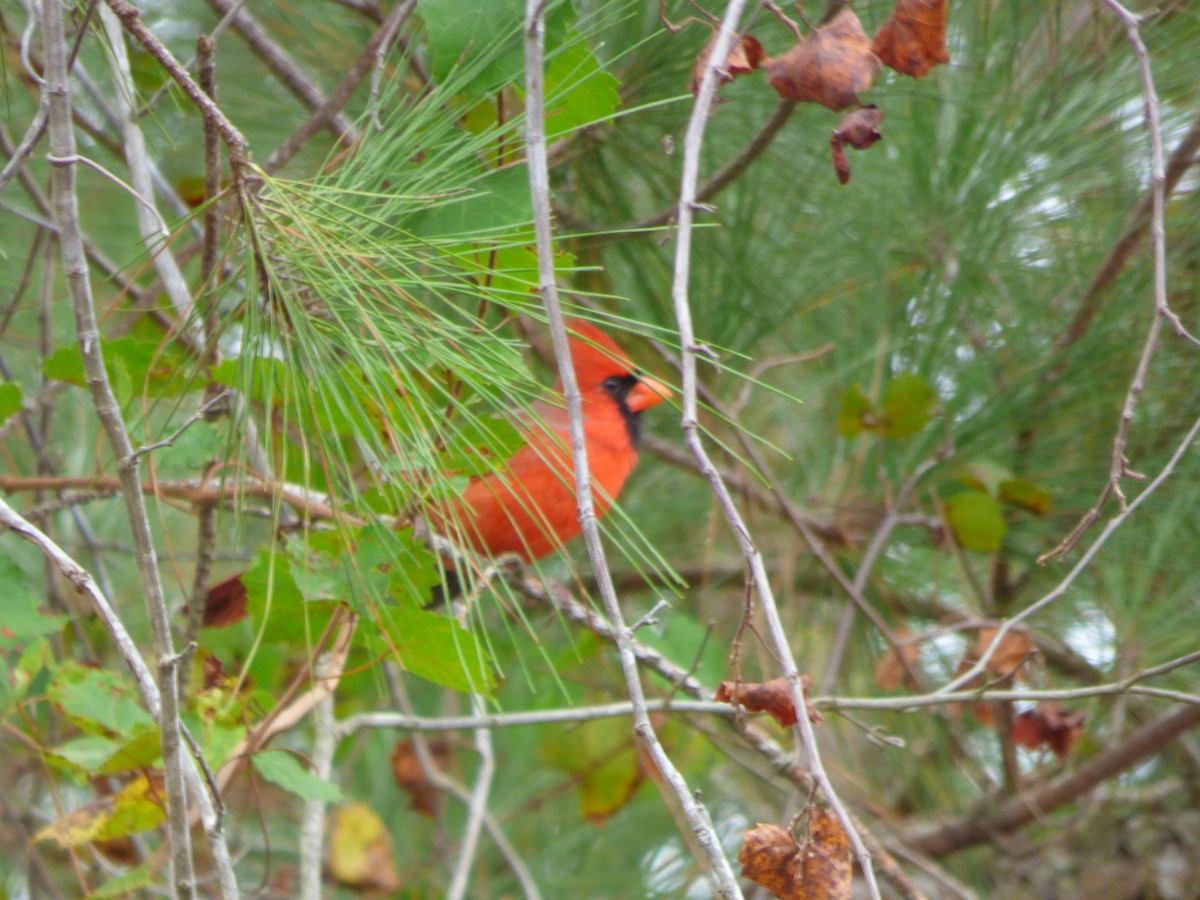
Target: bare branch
(539, 183)
(690, 349)
(66, 214)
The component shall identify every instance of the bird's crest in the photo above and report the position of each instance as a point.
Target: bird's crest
(594, 353)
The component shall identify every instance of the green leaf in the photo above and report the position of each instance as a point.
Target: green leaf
(100, 697)
(1027, 495)
(22, 620)
(601, 756)
(88, 752)
(481, 39)
(6, 694)
(10, 400)
(578, 91)
(495, 201)
(908, 403)
(283, 769)
(191, 451)
(134, 882)
(273, 596)
(976, 520)
(853, 414)
(435, 648)
(133, 365)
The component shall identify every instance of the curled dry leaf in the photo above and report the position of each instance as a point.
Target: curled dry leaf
(1049, 724)
(769, 858)
(744, 57)
(830, 66)
(859, 129)
(913, 40)
(774, 697)
(406, 769)
(895, 668)
(826, 859)
(820, 870)
(1010, 656)
(360, 850)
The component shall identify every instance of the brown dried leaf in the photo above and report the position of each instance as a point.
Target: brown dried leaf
(769, 858)
(360, 850)
(892, 670)
(406, 769)
(774, 697)
(225, 603)
(1050, 724)
(826, 859)
(830, 66)
(860, 129)
(1010, 656)
(744, 57)
(913, 40)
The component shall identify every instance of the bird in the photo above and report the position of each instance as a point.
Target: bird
(528, 506)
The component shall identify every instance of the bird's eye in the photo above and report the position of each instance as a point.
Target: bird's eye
(612, 384)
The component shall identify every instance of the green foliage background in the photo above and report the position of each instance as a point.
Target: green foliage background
(910, 322)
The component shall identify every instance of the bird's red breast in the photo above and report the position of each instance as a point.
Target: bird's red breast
(529, 507)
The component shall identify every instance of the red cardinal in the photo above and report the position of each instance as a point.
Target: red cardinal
(528, 508)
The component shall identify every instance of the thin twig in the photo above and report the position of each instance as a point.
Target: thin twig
(345, 90)
(1119, 467)
(281, 65)
(477, 807)
(191, 420)
(539, 182)
(1061, 588)
(238, 147)
(1183, 157)
(690, 349)
(142, 676)
(62, 178)
(443, 782)
(1038, 801)
(312, 825)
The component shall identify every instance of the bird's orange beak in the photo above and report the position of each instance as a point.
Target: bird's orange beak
(647, 393)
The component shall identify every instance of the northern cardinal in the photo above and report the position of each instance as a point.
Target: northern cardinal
(528, 507)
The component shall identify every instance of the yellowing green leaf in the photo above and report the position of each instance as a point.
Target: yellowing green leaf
(136, 808)
(853, 415)
(908, 403)
(1027, 495)
(976, 521)
(360, 849)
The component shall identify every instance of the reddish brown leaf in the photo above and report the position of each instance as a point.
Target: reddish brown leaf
(913, 40)
(826, 859)
(769, 858)
(1010, 656)
(1049, 724)
(860, 129)
(407, 770)
(744, 57)
(774, 697)
(829, 66)
(893, 669)
(225, 603)
(820, 870)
